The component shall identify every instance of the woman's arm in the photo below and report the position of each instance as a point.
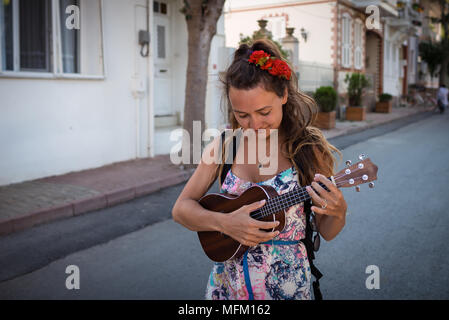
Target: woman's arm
(187, 211)
(237, 224)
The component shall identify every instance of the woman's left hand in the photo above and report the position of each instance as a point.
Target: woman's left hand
(329, 203)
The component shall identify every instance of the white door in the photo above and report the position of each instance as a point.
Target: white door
(140, 82)
(162, 60)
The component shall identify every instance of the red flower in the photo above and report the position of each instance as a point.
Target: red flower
(259, 57)
(273, 65)
(280, 68)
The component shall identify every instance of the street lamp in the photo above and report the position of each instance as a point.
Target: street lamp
(304, 34)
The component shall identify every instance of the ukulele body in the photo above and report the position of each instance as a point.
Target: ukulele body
(220, 247)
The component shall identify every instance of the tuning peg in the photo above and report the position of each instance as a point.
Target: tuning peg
(357, 188)
(362, 156)
(348, 162)
(371, 185)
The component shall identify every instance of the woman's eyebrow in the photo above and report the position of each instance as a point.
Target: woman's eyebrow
(235, 110)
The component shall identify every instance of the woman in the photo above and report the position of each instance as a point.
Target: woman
(262, 93)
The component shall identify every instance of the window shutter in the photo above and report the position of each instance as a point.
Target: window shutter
(358, 45)
(346, 43)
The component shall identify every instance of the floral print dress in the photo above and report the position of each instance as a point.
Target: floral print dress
(277, 272)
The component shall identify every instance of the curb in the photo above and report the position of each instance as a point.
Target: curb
(100, 201)
(373, 125)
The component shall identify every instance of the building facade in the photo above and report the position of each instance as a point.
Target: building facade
(86, 83)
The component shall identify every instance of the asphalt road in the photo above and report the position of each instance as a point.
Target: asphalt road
(135, 251)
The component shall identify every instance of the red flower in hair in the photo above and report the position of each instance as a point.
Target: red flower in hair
(259, 57)
(280, 68)
(274, 66)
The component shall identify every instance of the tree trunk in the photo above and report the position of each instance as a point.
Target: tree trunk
(201, 17)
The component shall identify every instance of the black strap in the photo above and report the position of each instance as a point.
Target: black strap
(227, 166)
(308, 243)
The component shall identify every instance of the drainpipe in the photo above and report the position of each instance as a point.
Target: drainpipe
(150, 83)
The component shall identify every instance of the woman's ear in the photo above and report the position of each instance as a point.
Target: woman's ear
(285, 97)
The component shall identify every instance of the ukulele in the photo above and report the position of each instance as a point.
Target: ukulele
(220, 247)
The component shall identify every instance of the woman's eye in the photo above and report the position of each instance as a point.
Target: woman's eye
(266, 114)
(243, 116)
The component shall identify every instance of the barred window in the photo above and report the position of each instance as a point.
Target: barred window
(28, 31)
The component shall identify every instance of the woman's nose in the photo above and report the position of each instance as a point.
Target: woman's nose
(256, 124)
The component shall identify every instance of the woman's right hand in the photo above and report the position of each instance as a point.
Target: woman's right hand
(240, 226)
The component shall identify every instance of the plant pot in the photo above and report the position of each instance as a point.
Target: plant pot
(384, 106)
(325, 120)
(355, 113)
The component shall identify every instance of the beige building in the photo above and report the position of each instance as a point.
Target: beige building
(337, 37)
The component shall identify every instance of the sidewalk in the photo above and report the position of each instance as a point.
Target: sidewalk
(26, 204)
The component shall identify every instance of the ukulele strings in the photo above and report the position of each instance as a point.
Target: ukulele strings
(290, 199)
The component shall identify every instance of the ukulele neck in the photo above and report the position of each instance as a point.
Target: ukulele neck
(284, 201)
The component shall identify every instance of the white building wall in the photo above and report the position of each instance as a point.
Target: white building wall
(316, 18)
(53, 126)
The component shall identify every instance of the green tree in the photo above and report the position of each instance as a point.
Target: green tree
(262, 33)
(438, 53)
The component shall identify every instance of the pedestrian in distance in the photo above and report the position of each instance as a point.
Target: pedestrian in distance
(442, 97)
(263, 97)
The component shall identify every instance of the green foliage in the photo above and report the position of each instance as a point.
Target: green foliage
(356, 83)
(385, 97)
(326, 98)
(432, 54)
(256, 36)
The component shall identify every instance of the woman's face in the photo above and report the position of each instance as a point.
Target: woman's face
(257, 108)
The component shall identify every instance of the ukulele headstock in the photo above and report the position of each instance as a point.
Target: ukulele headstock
(353, 175)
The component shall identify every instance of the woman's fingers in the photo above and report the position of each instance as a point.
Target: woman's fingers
(253, 206)
(253, 239)
(315, 197)
(252, 235)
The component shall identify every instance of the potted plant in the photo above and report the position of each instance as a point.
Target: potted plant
(326, 98)
(384, 104)
(356, 83)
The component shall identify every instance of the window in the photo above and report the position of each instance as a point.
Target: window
(159, 7)
(6, 36)
(358, 45)
(161, 42)
(32, 40)
(26, 45)
(346, 41)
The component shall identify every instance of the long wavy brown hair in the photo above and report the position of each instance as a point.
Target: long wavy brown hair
(304, 144)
